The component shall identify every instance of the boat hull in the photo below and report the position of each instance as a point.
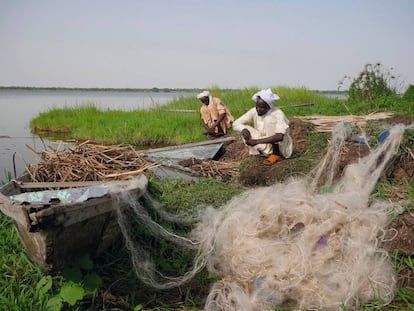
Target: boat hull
(53, 232)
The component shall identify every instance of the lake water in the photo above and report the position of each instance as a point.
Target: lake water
(19, 107)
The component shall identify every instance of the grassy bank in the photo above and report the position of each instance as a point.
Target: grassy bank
(22, 285)
(164, 125)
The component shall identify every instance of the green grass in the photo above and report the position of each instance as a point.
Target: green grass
(18, 284)
(164, 126)
(178, 196)
(19, 276)
(113, 126)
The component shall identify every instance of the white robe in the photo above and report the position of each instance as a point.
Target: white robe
(274, 121)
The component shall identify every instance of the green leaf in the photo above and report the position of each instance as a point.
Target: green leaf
(54, 303)
(92, 281)
(72, 274)
(72, 293)
(85, 262)
(138, 307)
(44, 285)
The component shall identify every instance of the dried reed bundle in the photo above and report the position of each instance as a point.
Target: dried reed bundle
(216, 168)
(328, 123)
(88, 162)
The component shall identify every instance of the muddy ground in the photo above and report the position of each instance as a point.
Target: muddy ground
(252, 172)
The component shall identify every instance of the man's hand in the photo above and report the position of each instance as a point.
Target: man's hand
(245, 134)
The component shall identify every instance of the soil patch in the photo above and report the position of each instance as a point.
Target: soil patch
(254, 173)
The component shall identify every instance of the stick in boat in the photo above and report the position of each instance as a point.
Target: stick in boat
(282, 107)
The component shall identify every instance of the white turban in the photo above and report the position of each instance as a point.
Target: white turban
(205, 94)
(268, 96)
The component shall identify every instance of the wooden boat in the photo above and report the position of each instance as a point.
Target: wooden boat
(59, 222)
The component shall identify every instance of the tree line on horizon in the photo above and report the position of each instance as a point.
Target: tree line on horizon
(154, 89)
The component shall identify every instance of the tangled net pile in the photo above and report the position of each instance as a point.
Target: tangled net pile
(292, 243)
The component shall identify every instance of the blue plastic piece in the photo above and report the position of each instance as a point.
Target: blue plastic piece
(362, 139)
(383, 136)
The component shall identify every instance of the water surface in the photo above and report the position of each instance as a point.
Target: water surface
(19, 107)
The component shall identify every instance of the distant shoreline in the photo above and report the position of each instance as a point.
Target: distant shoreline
(154, 89)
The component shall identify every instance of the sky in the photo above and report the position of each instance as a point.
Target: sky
(203, 43)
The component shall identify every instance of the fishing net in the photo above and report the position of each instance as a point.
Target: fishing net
(307, 242)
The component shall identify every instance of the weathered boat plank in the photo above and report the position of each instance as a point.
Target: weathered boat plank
(56, 232)
(64, 184)
(18, 215)
(68, 215)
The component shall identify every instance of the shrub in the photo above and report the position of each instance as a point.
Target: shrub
(409, 94)
(372, 83)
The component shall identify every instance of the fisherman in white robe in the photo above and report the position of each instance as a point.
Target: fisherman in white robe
(265, 128)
